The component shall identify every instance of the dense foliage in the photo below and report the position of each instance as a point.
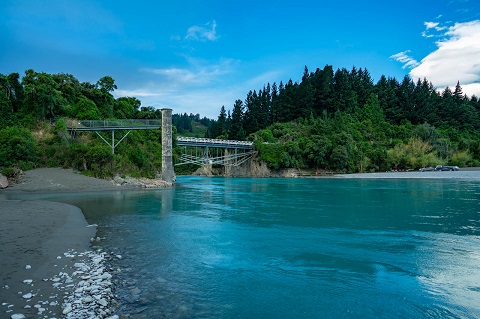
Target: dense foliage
(33, 115)
(337, 121)
(342, 121)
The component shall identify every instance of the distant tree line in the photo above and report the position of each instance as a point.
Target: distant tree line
(344, 121)
(185, 123)
(327, 92)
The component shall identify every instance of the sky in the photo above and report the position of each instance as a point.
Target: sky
(197, 56)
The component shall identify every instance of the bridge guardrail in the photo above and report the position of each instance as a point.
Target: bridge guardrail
(113, 124)
(195, 141)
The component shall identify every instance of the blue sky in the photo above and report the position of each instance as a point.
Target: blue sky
(195, 56)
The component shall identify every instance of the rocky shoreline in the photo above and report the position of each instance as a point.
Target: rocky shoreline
(83, 290)
(51, 266)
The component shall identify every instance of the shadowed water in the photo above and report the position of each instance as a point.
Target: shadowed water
(294, 248)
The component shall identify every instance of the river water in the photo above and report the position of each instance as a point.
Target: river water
(293, 248)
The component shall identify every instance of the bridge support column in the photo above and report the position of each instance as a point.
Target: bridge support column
(167, 159)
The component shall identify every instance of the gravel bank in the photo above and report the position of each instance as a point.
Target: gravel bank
(46, 267)
(472, 174)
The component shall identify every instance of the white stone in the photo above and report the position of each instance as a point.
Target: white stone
(28, 281)
(103, 302)
(3, 181)
(118, 256)
(17, 316)
(28, 267)
(106, 276)
(67, 309)
(27, 296)
(87, 299)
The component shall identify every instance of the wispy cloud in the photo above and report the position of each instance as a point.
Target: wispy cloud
(198, 86)
(456, 58)
(197, 73)
(208, 32)
(430, 25)
(403, 57)
(431, 28)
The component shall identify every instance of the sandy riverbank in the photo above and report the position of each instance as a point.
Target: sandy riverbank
(47, 180)
(43, 249)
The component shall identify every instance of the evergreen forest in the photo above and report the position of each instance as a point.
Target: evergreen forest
(338, 121)
(342, 121)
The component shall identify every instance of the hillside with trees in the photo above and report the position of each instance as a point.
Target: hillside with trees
(342, 121)
(331, 120)
(33, 114)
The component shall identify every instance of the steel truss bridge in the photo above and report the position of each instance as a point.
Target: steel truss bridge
(198, 151)
(207, 151)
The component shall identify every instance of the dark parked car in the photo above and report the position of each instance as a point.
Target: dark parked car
(446, 168)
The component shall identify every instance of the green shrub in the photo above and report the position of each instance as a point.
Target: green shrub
(462, 159)
(138, 157)
(17, 146)
(99, 155)
(8, 171)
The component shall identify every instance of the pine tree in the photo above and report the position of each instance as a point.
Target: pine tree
(236, 131)
(220, 127)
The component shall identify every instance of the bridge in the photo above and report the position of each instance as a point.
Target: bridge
(74, 126)
(109, 125)
(198, 151)
(208, 151)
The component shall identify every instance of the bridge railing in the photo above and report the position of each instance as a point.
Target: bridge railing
(90, 125)
(210, 142)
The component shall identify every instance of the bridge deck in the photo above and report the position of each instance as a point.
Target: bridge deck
(108, 125)
(215, 143)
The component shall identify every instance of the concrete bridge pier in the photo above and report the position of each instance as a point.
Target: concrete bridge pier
(168, 175)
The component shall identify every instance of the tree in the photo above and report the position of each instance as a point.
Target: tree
(86, 109)
(12, 89)
(220, 129)
(6, 110)
(41, 97)
(322, 81)
(372, 111)
(344, 97)
(126, 107)
(17, 148)
(236, 131)
(107, 83)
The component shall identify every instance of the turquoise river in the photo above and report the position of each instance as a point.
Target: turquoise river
(293, 248)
